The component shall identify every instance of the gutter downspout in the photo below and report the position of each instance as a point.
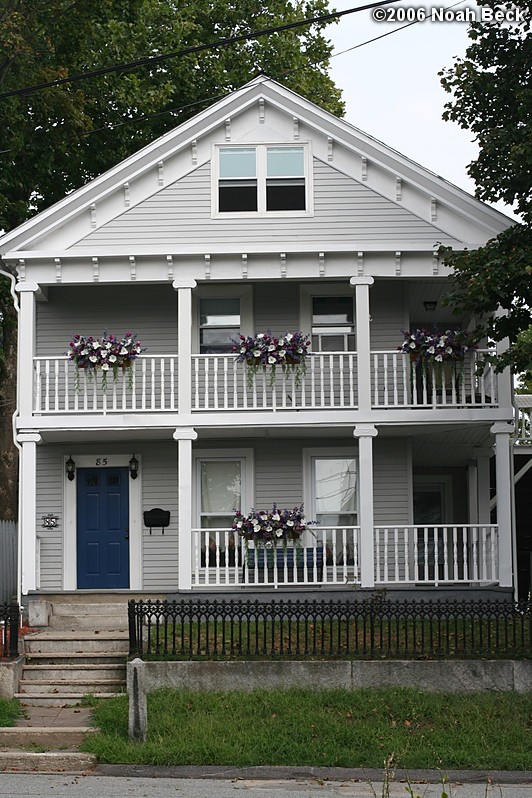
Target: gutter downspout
(12, 280)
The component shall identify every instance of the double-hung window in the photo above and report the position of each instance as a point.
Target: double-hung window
(262, 179)
(219, 323)
(333, 324)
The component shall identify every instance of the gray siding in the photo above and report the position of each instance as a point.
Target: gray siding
(390, 482)
(50, 500)
(387, 308)
(159, 489)
(344, 210)
(276, 307)
(147, 310)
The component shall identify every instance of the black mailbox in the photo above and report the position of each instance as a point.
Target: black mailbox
(157, 518)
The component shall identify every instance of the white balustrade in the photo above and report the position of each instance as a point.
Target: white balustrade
(397, 382)
(436, 555)
(221, 383)
(523, 419)
(148, 385)
(328, 556)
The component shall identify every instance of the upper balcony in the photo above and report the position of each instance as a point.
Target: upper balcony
(219, 384)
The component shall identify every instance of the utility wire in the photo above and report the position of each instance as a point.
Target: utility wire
(188, 50)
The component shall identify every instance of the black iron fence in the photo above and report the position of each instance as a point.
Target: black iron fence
(9, 623)
(366, 629)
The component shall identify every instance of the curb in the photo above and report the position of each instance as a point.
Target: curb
(326, 774)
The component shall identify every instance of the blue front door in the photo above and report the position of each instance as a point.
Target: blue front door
(103, 527)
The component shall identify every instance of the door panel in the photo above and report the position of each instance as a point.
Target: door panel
(102, 528)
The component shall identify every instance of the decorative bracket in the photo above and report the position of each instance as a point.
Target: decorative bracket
(330, 148)
(132, 267)
(295, 120)
(93, 215)
(283, 264)
(397, 264)
(262, 113)
(95, 269)
(433, 209)
(170, 267)
(58, 270)
(321, 262)
(228, 129)
(207, 267)
(364, 161)
(360, 264)
(194, 152)
(160, 173)
(127, 197)
(244, 266)
(398, 189)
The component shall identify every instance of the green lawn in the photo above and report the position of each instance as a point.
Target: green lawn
(9, 712)
(329, 728)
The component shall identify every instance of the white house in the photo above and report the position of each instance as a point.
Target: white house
(263, 212)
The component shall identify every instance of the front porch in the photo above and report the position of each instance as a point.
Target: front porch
(458, 554)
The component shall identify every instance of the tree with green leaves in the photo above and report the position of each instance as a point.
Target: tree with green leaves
(492, 97)
(54, 140)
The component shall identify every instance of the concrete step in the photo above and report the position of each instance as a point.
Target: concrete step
(67, 688)
(74, 623)
(76, 642)
(49, 762)
(78, 659)
(57, 699)
(77, 609)
(47, 737)
(71, 673)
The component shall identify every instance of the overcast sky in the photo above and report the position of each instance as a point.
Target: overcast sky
(392, 89)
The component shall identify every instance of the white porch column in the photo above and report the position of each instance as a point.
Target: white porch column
(482, 456)
(361, 286)
(365, 433)
(504, 379)
(27, 535)
(26, 346)
(184, 438)
(184, 290)
(503, 471)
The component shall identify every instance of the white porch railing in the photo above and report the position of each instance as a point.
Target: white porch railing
(220, 560)
(436, 555)
(396, 382)
(220, 383)
(150, 385)
(523, 419)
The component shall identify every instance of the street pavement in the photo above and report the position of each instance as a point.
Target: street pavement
(28, 785)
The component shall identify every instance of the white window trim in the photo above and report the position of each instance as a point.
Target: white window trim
(223, 291)
(308, 487)
(245, 456)
(70, 509)
(261, 148)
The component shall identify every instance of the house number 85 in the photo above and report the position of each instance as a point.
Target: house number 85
(101, 461)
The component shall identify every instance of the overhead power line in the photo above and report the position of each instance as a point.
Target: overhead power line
(188, 50)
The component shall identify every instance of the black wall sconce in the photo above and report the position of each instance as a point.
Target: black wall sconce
(133, 467)
(70, 468)
(430, 305)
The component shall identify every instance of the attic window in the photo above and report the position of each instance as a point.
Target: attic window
(262, 179)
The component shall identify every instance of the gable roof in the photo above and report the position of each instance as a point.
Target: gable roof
(381, 168)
